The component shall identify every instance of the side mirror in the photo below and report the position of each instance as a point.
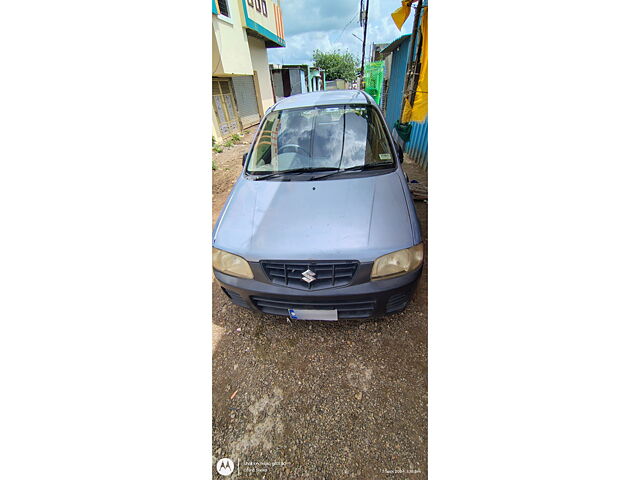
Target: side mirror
(400, 152)
(244, 159)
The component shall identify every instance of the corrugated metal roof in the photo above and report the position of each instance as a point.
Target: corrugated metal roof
(396, 83)
(418, 145)
(393, 45)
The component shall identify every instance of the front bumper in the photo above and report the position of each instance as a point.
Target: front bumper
(364, 300)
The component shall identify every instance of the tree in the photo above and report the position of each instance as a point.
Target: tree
(336, 64)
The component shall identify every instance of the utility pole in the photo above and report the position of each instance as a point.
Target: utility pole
(364, 40)
(409, 78)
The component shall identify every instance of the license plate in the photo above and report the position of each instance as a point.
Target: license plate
(327, 315)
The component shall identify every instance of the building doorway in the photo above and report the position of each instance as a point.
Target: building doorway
(224, 107)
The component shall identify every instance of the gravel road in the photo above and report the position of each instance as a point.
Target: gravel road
(318, 400)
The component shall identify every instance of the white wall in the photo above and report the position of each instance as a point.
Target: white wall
(230, 52)
(260, 63)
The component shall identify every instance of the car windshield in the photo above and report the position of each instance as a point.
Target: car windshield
(320, 138)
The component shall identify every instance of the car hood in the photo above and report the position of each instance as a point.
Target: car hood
(333, 219)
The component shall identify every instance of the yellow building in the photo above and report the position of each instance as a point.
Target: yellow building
(242, 90)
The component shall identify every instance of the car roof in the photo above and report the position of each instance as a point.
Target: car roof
(330, 97)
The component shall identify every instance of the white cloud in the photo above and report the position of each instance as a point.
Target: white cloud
(304, 16)
(325, 26)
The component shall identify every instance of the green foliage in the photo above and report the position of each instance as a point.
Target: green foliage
(213, 141)
(228, 143)
(217, 148)
(213, 165)
(336, 64)
(235, 138)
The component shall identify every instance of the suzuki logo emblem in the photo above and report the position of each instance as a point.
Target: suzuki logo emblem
(308, 276)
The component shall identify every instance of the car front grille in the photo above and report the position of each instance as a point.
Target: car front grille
(321, 274)
(359, 309)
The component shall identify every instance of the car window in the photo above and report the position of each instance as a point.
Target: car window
(341, 136)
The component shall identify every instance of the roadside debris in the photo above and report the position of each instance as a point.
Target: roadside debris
(418, 190)
(233, 395)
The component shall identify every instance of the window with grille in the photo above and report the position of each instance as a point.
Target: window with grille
(223, 6)
(259, 5)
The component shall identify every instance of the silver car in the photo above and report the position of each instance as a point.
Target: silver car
(321, 224)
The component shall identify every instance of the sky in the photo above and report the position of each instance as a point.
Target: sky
(329, 24)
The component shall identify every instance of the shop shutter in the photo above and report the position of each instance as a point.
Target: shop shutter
(246, 100)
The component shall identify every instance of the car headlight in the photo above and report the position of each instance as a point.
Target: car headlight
(231, 264)
(397, 263)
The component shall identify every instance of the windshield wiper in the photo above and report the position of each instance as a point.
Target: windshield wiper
(293, 170)
(369, 166)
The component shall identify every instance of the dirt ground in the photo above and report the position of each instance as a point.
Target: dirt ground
(318, 400)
